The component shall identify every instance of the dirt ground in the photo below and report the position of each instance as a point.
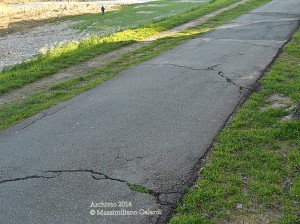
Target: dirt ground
(21, 16)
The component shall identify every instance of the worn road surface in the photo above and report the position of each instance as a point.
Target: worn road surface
(148, 126)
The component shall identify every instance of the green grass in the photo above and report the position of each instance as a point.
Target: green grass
(253, 171)
(13, 113)
(52, 61)
(138, 188)
(134, 16)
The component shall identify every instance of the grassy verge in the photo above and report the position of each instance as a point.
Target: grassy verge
(11, 114)
(252, 174)
(50, 62)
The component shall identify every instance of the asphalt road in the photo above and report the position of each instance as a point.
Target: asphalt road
(148, 126)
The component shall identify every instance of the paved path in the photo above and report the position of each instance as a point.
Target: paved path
(148, 126)
(88, 66)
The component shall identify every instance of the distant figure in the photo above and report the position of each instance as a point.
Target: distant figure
(102, 10)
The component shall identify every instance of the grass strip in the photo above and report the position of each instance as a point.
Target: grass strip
(13, 113)
(252, 174)
(52, 61)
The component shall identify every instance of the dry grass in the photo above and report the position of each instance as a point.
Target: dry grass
(11, 14)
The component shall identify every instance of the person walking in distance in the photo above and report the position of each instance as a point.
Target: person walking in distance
(102, 10)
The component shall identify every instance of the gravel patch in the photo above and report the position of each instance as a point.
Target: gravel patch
(21, 46)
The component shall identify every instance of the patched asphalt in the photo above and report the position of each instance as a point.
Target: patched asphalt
(149, 126)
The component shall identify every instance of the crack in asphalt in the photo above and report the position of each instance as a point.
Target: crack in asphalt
(210, 68)
(241, 88)
(57, 173)
(129, 159)
(252, 44)
(43, 115)
(88, 171)
(26, 178)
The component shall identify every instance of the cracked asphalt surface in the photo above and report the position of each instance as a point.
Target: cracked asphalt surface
(148, 126)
